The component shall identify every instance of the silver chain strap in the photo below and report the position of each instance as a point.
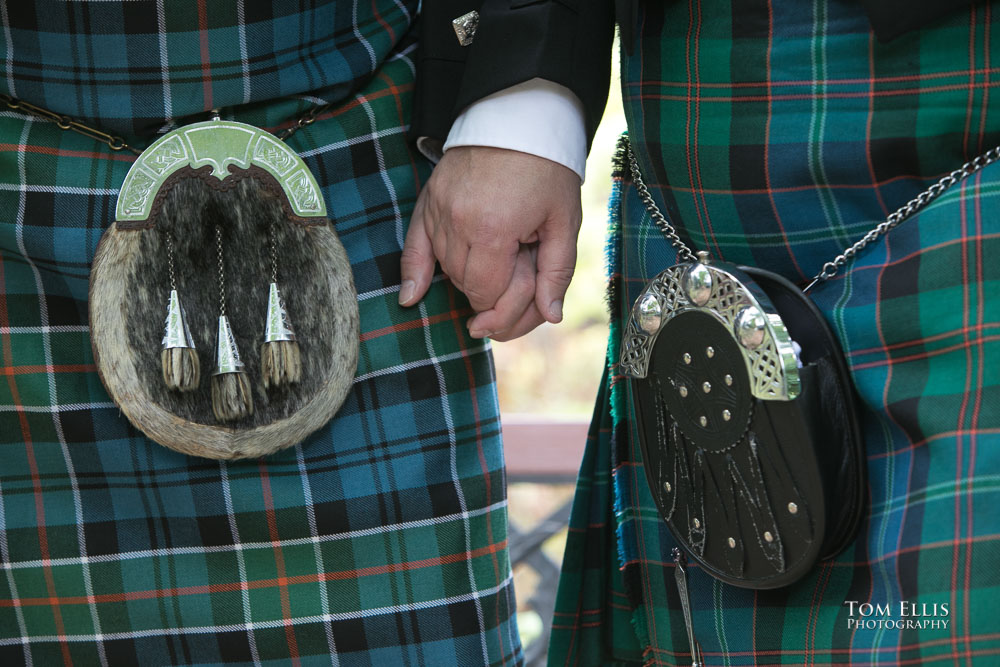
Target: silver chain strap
(831, 268)
(117, 143)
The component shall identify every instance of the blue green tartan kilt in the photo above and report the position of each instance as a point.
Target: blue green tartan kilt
(380, 540)
(775, 135)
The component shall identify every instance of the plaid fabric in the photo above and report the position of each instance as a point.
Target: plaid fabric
(132, 66)
(381, 540)
(776, 135)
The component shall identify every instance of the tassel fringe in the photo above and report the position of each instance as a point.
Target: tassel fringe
(231, 396)
(181, 368)
(280, 363)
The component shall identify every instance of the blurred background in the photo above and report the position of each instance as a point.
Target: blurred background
(547, 382)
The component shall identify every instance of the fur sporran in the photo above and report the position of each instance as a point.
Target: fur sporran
(225, 376)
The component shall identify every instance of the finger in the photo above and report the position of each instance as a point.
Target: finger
(417, 261)
(556, 261)
(455, 259)
(515, 300)
(529, 320)
(489, 272)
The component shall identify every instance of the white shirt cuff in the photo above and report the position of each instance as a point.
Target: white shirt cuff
(537, 117)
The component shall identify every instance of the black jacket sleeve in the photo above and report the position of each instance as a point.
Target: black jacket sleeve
(565, 41)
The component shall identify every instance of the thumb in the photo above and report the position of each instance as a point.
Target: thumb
(417, 261)
(556, 261)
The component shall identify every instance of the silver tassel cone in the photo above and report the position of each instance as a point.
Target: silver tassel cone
(280, 358)
(179, 359)
(231, 395)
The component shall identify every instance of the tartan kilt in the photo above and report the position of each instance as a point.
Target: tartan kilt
(379, 540)
(776, 135)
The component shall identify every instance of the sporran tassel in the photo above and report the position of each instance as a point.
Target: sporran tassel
(179, 359)
(280, 358)
(232, 397)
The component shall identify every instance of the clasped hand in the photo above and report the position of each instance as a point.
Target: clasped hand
(503, 225)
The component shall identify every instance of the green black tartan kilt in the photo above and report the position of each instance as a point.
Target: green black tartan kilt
(380, 540)
(776, 135)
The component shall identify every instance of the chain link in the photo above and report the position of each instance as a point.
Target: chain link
(831, 268)
(67, 123)
(274, 252)
(170, 260)
(117, 143)
(654, 211)
(222, 275)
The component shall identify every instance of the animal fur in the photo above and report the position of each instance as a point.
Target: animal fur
(181, 368)
(129, 280)
(280, 363)
(231, 396)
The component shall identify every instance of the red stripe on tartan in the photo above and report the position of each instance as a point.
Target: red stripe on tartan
(279, 562)
(36, 484)
(986, 78)
(973, 440)
(401, 118)
(781, 97)
(692, 145)
(55, 368)
(461, 334)
(206, 59)
(810, 83)
(454, 314)
(808, 188)
(767, 143)
(47, 150)
(386, 26)
(972, 64)
(932, 438)
(868, 124)
(258, 584)
(979, 340)
(978, 328)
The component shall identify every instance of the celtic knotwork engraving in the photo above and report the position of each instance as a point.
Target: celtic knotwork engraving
(272, 154)
(165, 156)
(137, 192)
(303, 193)
(771, 364)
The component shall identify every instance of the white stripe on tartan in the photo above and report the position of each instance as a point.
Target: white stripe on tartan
(11, 88)
(71, 407)
(241, 25)
(468, 352)
(382, 291)
(354, 141)
(57, 189)
(59, 328)
(442, 385)
(269, 625)
(12, 582)
(361, 38)
(247, 546)
(241, 563)
(324, 596)
(161, 29)
(54, 393)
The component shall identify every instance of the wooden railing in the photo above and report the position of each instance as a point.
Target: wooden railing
(542, 452)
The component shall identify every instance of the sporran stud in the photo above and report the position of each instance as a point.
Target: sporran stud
(232, 398)
(280, 357)
(179, 359)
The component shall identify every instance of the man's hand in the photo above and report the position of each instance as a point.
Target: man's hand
(503, 224)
